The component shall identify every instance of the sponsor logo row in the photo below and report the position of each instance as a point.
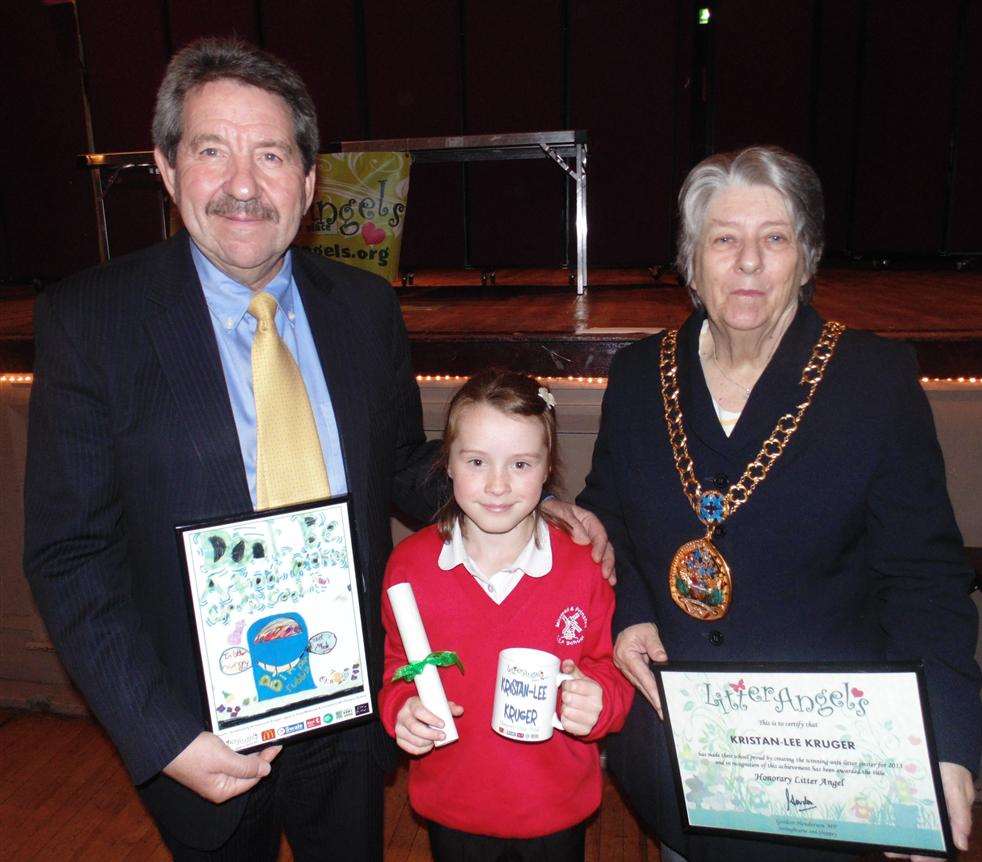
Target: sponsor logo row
(271, 733)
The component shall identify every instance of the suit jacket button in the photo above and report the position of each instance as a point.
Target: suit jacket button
(716, 637)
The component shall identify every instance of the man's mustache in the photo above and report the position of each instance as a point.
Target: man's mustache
(253, 208)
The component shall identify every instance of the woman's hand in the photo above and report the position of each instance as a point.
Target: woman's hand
(959, 793)
(585, 529)
(636, 647)
(418, 729)
(583, 701)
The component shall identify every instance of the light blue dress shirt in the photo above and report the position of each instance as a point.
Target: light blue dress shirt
(228, 302)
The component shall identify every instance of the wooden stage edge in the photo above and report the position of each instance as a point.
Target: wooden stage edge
(531, 319)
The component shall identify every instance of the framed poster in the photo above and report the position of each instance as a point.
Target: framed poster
(277, 609)
(831, 754)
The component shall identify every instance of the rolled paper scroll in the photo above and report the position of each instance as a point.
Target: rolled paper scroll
(417, 646)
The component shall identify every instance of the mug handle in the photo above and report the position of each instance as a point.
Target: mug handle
(560, 679)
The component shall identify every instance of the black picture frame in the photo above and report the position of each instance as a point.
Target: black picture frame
(738, 670)
(324, 584)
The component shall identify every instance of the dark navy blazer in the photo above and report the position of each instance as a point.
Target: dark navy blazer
(131, 433)
(848, 550)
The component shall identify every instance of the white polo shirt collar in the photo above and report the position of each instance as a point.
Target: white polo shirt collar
(532, 561)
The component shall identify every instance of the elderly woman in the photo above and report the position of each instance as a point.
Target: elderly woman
(839, 545)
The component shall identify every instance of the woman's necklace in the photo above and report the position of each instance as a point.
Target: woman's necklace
(745, 390)
(699, 578)
(740, 386)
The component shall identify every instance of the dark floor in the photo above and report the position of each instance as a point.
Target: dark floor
(64, 795)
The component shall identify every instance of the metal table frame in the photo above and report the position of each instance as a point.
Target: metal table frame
(107, 168)
(558, 146)
(561, 147)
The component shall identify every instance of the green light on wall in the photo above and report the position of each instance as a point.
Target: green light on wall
(704, 15)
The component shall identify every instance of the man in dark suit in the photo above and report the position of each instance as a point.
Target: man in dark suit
(142, 418)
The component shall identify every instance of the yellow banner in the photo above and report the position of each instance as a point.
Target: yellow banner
(359, 210)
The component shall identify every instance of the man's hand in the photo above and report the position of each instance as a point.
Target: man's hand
(959, 793)
(212, 770)
(636, 647)
(585, 529)
(583, 701)
(418, 729)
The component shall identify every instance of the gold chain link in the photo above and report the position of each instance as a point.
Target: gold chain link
(773, 446)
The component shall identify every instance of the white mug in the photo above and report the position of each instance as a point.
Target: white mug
(525, 694)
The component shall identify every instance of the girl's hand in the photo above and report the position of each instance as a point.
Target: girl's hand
(583, 700)
(418, 729)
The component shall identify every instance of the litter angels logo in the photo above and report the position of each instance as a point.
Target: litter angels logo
(358, 211)
(534, 675)
(737, 696)
(572, 624)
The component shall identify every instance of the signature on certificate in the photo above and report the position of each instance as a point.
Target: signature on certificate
(796, 804)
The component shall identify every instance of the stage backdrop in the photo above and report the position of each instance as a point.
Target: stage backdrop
(880, 95)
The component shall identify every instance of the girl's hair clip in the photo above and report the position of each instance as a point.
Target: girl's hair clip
(547, 396)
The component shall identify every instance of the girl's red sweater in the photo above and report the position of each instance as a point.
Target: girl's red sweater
(483, 783)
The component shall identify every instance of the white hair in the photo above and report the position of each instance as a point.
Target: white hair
(790, 176)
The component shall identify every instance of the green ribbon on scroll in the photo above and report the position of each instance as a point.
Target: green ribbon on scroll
(410, 671)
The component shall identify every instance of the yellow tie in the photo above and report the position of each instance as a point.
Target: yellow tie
(289, 463)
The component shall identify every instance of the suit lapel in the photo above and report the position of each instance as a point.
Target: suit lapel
(180, 330)
(336, 341)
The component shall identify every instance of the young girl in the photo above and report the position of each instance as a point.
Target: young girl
(492, 574)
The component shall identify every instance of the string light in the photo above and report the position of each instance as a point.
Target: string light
(460, 378)
(14, 377)
(602, 381)
(970, 380)
(585, 380)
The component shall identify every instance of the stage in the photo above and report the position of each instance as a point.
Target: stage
(533, 320)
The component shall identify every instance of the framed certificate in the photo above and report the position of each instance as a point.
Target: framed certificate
(832, 754)
(277, 609)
